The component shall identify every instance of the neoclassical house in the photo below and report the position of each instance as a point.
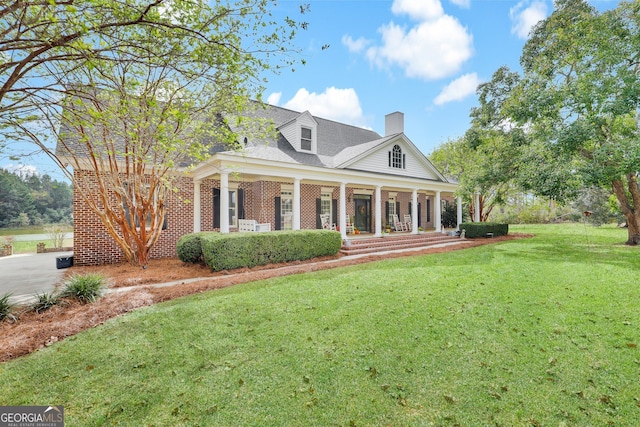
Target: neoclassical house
(311, 167)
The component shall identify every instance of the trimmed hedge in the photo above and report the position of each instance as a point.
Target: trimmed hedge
(236, 250)
(480, 229)
(189, 248)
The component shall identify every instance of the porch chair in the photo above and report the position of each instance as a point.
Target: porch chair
(397, 225)
(407, 222)
(326, 224)
(349, 226)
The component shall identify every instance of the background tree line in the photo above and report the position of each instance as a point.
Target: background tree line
(33, 200)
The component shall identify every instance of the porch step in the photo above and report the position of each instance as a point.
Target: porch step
(390, 243)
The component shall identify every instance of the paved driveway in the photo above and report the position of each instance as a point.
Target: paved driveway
(24, 275)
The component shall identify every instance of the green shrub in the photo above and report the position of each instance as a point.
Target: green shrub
(480, 229)
(6, 307)
(45, 301)
(189, 248)
(235, 250)
(84, 288)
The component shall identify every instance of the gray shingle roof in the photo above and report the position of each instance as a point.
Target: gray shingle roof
(336, 142)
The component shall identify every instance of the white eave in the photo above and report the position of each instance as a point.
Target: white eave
(238, 163)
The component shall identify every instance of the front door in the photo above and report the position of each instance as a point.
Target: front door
(363, 212)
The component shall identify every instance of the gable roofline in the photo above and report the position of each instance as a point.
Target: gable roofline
(387, 141)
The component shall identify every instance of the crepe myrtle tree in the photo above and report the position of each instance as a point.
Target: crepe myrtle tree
(131, 92)
(577, 105)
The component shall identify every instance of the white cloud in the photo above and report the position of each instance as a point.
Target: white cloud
(355, 46)
(525, 15)
(434, 48)
(420, 10)
(341, 105)
(23, 171)
(274, 98)
(462, 3)
(458, 89)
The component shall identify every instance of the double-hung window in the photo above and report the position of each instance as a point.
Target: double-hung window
(286, 209)
(392, 209)
(305, 138)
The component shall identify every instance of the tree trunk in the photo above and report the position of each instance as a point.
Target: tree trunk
(629, 208)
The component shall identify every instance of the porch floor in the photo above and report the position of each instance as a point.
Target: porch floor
(357, 244)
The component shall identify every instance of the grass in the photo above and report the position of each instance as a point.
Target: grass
(540, 331)
(32, 229)
(20, 247)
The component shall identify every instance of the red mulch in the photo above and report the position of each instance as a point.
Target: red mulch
(33, 331)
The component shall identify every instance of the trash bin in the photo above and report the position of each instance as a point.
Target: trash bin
(64, 261)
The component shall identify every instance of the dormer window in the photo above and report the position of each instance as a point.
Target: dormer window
(397, 159)
(305, 138)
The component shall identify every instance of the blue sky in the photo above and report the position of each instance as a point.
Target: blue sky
(424, 58)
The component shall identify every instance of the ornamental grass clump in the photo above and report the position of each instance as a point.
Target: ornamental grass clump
(45, 301)
(85, 288)
(6, 308)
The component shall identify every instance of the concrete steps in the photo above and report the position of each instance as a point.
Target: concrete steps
(357, 246)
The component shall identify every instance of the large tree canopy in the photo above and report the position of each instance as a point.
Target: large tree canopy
(131, 90)
(578, 103)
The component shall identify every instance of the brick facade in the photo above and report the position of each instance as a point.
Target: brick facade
(94, 246)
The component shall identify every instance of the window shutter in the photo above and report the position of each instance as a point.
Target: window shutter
(334, 211)
(318, 212)
(241, 203)
(278, 219)
(398, 209)
(419, 215)
(386, 212)
(216, 208)
(404, 161)
(428, 210)
(389, 158)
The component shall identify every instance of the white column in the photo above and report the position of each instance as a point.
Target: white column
(438, 212)
(459, 211)
(196, 206)
(224, 202)
(295, 221)
(476, 212)
(343, 210)
(414, 212)
(378, 211)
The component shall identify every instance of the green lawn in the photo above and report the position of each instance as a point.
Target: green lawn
(541, 331)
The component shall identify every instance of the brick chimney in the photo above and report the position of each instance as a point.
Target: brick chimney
(393, 123)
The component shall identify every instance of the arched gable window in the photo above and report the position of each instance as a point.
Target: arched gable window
(397, 158)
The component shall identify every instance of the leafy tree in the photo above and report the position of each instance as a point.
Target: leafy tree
(39, 199)
(15, 199)
(592, 205)
(485, 160)
(137, 89)
(579, 99)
